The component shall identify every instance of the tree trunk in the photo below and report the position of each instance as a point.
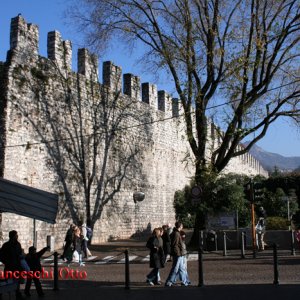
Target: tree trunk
(200, 216)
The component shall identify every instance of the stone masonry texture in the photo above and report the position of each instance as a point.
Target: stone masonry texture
(30, 83)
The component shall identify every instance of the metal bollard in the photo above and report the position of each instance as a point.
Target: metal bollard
(293, 250)
(127, 279)
(243, 245)
(275, 260)
(55, 272)
(254, 254)
(200, 267)
(216, 241)
(224, 244)
(201, 238)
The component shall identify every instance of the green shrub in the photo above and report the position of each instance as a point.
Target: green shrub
(277, 223)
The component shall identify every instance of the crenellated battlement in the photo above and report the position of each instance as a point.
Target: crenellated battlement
(59, 50)
(149, 94)
(112, 76)
(24, 40)
(24, 36)
(132, 86)
(165, 103)
(88, 64)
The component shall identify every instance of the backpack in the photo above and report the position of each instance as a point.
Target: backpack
(89, 232)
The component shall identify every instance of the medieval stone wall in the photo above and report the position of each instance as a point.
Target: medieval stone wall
(162, 168)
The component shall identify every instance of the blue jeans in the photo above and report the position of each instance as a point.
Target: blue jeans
(185, 280)
(178, 268)
(154, 276)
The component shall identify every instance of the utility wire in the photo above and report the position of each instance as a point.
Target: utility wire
(138, 125)
(118, 129)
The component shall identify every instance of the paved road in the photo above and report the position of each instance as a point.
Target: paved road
(227, 277)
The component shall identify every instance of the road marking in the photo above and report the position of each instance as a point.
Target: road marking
(48, 259)
(90, 258)
(122, 261)
(114, 259)
(105, 260)
(59, 263)
(192, 256)
(147, 258)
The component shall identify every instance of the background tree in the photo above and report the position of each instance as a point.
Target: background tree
(288, 182)
(84, 127)
(225, 194)
(240, 54)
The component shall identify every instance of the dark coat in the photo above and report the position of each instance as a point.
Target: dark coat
(77, 242)
(166, 242)
(11, 253)
(34, 260)
(157, 257)
(176, 243)
(69, 236)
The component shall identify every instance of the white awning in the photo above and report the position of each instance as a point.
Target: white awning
(27, 201)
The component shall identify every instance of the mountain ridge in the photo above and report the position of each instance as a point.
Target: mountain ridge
(270, 160)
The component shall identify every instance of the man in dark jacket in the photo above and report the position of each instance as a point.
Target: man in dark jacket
(11, 254)
(33, 260)
(177, 257)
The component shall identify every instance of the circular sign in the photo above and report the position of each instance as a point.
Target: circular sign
(196, 191)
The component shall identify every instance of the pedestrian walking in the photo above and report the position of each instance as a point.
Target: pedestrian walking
(68, 250)
(77, 246)
(261, 229)
(177, 268)
(33, 260)
(11, 255)
(86, 232)
(157, 258)
(184, 259)
(166, 241)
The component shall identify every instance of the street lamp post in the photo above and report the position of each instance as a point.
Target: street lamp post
(288, 208)
(287, 200)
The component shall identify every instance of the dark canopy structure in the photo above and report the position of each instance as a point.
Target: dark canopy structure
(28, 201)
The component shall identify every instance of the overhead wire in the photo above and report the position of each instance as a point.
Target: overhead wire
(118, 129)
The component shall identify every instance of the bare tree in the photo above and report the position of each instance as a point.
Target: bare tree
(88, 132)
(242, 55)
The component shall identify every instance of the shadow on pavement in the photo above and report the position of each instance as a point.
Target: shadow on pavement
(115, 290)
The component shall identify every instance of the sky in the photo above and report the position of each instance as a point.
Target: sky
(283, 137)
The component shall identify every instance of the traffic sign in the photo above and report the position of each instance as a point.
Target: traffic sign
(196, 191)
(196, 194)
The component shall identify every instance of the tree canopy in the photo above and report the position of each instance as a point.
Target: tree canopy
(241, 56)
